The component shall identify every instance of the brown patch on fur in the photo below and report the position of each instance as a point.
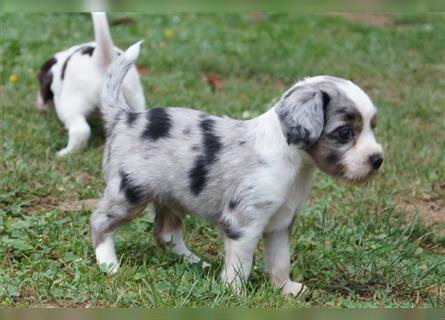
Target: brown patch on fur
(166, 220)
(329, 150)
(327, 157)
(46, 79)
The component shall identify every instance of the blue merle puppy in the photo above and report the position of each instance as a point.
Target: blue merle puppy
(248, 177)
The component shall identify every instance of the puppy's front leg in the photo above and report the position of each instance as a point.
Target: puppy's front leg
(238, 258)
(277, 252)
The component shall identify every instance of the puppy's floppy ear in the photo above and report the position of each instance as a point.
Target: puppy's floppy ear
(301, 114)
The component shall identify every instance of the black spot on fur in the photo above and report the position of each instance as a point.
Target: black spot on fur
(88, 50)
(187, 131)
(241, 143)
(212, 143)
(326, 99)
(65, 64)
(195, 147)
(299, 134)
(211, 147)
(134, 193)
(159, 124)
(132, 117)
(45, 79)
(262, 162)
(198, 175)
(233, 204)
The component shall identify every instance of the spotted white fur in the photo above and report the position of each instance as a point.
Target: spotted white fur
(72, 80)
(250, 177)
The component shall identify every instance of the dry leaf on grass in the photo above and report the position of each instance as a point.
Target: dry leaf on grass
(215, 82)
(143, 70)
(127, 21)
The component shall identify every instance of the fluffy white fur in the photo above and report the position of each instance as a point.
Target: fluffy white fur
(74, 80)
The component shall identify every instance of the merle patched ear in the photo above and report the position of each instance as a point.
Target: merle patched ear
(301, 114)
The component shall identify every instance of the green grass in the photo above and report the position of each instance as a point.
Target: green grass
(354, 246)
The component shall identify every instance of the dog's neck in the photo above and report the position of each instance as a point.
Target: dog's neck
(269, 139)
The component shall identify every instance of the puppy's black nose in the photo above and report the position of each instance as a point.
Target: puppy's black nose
(376, 160)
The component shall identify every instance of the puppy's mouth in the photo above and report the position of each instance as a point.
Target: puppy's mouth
(356, 179)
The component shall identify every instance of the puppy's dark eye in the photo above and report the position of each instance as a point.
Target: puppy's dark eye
(345, 133)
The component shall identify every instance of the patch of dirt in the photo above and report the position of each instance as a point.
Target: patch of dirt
(77, 205)
(42, 204)
(376, 19)
(431, 208)
(51, 203)
(430, 211)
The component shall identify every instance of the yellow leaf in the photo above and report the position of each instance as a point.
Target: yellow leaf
(169, 33)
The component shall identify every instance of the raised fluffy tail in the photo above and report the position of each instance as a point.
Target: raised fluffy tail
(112, 99)
(104, 53)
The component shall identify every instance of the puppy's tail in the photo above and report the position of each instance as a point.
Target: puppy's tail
(104, 53)
(112, 99)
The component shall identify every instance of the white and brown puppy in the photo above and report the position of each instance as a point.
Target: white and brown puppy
(249, 177)
(72, 79)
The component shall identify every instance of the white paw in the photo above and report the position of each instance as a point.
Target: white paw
(294, 288)
(62, 153)
(109, 267)
(191, 258)
(233, 282)
(106, 256)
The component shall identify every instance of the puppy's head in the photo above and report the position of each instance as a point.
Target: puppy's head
(333, 120)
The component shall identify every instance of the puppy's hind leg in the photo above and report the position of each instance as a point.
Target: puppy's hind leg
(79, 131)
(168, 227)
(72, 112)
(117, 207)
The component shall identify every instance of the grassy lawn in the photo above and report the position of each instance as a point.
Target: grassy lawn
(379, 244)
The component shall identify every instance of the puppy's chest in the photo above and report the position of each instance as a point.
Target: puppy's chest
(293, 201)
